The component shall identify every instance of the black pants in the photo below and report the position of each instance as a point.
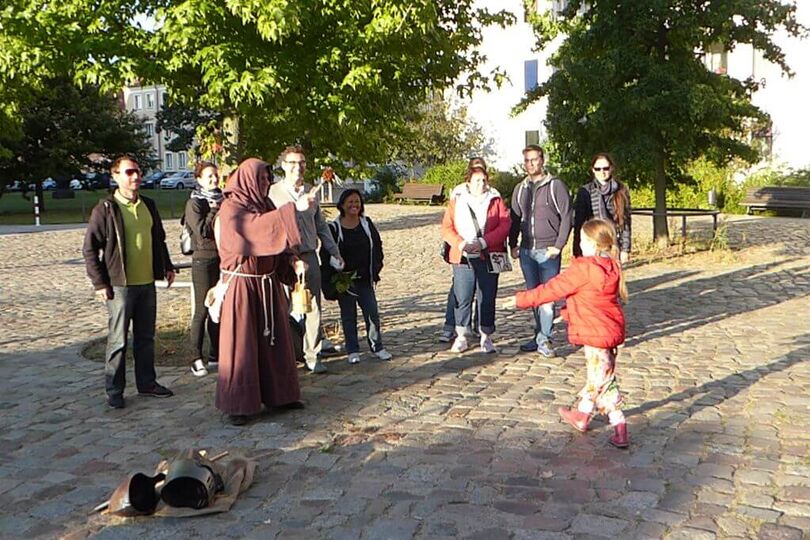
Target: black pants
(204, 275)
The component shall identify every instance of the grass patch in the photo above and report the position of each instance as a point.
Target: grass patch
(15, 210)
(173, 333)
(172, 338)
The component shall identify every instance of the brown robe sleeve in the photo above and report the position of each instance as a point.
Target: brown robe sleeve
(258, 235)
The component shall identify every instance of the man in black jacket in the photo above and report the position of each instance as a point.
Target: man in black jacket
(125, 252)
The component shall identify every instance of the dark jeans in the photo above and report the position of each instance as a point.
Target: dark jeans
(204, 275)
(538, 268)
(138, 304)
(450, 313)
(367, 300)
(471, 280)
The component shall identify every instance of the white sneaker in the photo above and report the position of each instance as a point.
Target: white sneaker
(354, 358)
(382, 354)
(487, 347)
(546, 350)
(459, 345)
(198, 368)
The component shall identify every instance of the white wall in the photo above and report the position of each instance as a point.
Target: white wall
(785, 99)
(508, 48)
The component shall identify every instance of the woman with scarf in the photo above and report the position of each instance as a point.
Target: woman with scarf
(605, 198)
(255, 241)
(475, 224)
(201, 209)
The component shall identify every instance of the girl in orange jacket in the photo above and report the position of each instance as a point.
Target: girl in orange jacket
(592, 286)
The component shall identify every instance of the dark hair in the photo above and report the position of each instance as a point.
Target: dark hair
(535, 148)
(345, 195)
(201, 166)
(477, 162)
(292, 149)
(475, 169)
(118, 159)
(621, 199)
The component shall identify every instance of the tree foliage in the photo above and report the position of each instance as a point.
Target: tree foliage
(335, 75)
(629, 78)
(64, 130)
(436, 133)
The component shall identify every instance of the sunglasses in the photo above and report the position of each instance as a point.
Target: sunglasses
(130, 172)
(602, 169)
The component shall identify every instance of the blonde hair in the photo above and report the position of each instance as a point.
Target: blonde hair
(603, 235)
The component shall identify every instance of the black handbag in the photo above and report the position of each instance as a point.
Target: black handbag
(444, 252)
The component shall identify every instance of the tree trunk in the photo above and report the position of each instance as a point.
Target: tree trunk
(660, 227)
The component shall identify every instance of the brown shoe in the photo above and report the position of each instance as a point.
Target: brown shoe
(579, 420)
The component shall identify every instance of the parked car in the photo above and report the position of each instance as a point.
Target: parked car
(76, 184)
(179, 180)
(152, 181)
(49, 184)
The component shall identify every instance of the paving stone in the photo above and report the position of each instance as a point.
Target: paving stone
(433, 445)
(769, 531)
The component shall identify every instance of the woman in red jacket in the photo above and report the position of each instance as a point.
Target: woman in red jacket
(475, 223)
(592, 286)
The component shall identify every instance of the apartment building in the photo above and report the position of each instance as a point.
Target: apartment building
(145, 102)
(511, 49)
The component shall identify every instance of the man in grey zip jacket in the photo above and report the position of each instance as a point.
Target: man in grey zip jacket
(313, 228)
(126, 229)
(541, 217)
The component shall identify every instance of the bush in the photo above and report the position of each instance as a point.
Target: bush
(449, 175)
(452, 174)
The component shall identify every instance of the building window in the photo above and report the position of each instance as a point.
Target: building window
(138, 102)
(168, 161)
(150, 129)
(150, 100)
(530, 75)
(532, 137)
(181, 160)
(716, 59)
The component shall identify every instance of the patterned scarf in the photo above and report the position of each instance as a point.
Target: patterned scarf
(602, 199)
(213, 196)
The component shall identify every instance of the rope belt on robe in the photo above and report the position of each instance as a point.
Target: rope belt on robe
(266, 279)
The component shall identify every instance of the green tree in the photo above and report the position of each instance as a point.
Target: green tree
(65, 130)
(629, 78)
(334, 75)
(437, 133)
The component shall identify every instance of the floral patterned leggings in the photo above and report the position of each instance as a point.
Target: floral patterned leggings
(601, 392)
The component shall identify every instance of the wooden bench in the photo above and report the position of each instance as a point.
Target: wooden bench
(414, 191)
(777, 198)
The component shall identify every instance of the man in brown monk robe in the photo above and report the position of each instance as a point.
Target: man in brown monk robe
(256, 241)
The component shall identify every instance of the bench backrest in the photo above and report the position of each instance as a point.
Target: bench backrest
(416, 190)
(777, 194)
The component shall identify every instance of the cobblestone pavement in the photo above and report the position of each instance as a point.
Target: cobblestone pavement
(433, 445)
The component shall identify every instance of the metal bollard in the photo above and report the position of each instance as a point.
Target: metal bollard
(36, 210)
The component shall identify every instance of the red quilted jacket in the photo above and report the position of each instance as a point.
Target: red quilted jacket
(590, 286)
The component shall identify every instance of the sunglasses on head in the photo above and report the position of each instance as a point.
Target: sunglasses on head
(603, 169)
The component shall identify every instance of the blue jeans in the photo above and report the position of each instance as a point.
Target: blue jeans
(137, 304)
(471, 280)
(450, 313)
(367, 300)
(538, 268)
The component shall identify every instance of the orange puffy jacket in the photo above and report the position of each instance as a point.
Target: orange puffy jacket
(590, 286)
